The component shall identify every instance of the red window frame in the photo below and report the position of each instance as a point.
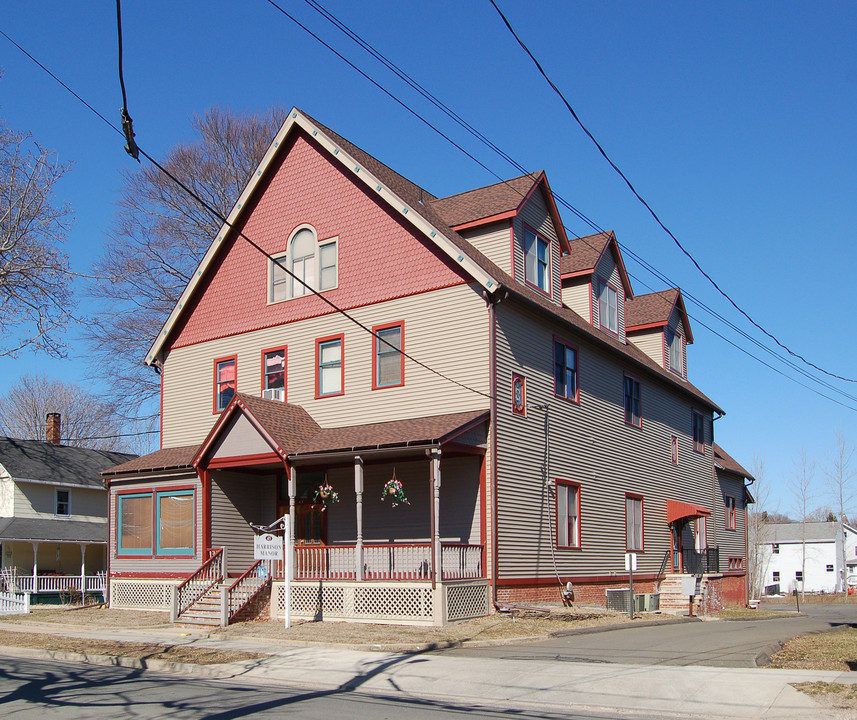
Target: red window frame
(630, 420)
(376, 357)
(570, 346)
(519, 408)
(698, 431)
(674, 449)
(566, 484)
(216, 410)
(318, 343)
(731, 514)
(153, 491)
(285, 350)
(642, 548)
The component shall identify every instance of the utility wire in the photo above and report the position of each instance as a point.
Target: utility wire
(652, 212)
(410, 81)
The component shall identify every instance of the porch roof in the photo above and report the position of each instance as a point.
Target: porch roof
(677, 510)
(394, 433)
(51, 530)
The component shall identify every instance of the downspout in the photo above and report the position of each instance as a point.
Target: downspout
(492, 331)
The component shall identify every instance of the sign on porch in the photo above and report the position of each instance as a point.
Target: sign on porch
(267, 547)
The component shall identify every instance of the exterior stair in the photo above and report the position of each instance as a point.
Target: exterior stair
(673, 601)
(205, 612)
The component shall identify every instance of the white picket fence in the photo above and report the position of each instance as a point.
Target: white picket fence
(14, 603)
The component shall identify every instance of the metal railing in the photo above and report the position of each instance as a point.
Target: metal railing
(701, 562)
(200, 582)
(240, 593)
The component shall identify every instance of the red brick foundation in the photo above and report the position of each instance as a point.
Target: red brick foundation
(588, 593)
(734, 590)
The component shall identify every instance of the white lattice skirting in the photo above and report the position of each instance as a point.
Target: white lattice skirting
(141, 594)
(380, 602)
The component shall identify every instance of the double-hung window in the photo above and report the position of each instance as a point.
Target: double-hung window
(537, 260)
(633, 415)
(634, 537)
(567, 514)
(274, 374)
(731, 523)
(224, 382)
(698, 422)
(308, 265)
(565, 371)
(160, 522)
(676, 354)
(608, 308)
(330, 370)
(62, 504)
(389, 365)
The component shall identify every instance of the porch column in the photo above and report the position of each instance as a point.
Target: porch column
(293, 484)
(82, 569)
(358, 491)
(435, 472)
(35, 567)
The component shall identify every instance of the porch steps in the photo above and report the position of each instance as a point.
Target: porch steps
(205, 612)
(673, 601)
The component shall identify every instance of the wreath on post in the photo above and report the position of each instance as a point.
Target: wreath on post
(326, 495)
(394, 491)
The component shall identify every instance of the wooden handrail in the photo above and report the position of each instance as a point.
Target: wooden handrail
(242, 592)
(200, 582)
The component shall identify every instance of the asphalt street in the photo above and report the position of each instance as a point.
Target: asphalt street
(50, 689)
(736, 644)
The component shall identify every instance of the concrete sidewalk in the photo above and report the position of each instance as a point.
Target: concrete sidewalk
(688, 692)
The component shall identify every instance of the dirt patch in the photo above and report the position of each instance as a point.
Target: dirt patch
(117, 648)
(835, 650)
(835, 695)
(94, 616)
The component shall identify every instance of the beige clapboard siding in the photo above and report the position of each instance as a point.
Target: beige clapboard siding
(156, 565)
(592, 445)
(445, 329)
(576, 297)
(731, 542)
(651, 343)
(237, 500)
(535, 214)
(607, 270)
(34, 500)
(494, 241)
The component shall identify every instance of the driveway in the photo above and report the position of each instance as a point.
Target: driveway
(719, 643)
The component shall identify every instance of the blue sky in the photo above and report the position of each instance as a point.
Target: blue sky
(734, 120)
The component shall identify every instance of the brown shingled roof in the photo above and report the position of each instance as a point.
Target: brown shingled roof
(723, 460)
(173, 458)
(585, 252)
(289, 425)
(651, 308)
(411, 431)
(486, 201)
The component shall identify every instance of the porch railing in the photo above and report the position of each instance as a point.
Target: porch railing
(405, 561)
(241, 592)
(54, 583)
(200, 582)
(701, 562)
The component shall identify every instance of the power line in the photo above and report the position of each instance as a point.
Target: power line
(652, 212)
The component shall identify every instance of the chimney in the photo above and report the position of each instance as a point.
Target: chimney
(54, 423)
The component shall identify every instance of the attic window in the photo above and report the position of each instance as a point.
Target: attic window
(608, 308)
(675, 352)
(63, 502)
(308, 265)
(536, 260)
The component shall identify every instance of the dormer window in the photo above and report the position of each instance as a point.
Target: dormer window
(536, 260)
(608, 308)
(312, 264)
(675, 352)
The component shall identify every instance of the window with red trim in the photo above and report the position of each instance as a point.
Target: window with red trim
(698, 422)
(567, 514)
(330, 368)
(225, 374)
(519, 394)
(537, 261)
(674, 450)
(633, 413)
(565, 371)
(634, 536)
(388, 369)
(731, 520)
(274, 371)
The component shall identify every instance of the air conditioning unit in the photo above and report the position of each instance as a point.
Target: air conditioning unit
(274, 394)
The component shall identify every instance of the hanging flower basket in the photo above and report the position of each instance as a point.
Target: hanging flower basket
(326, 495)
(394, 491)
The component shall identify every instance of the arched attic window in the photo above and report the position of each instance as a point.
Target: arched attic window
(312, 263)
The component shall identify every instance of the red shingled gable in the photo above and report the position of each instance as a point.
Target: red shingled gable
(379, 258)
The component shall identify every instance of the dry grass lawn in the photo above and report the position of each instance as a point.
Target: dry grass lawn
(94, 616)
(836, 650)
(836, 695)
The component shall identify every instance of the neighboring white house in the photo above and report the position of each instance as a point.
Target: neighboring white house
(53, 513)
(781, 552)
